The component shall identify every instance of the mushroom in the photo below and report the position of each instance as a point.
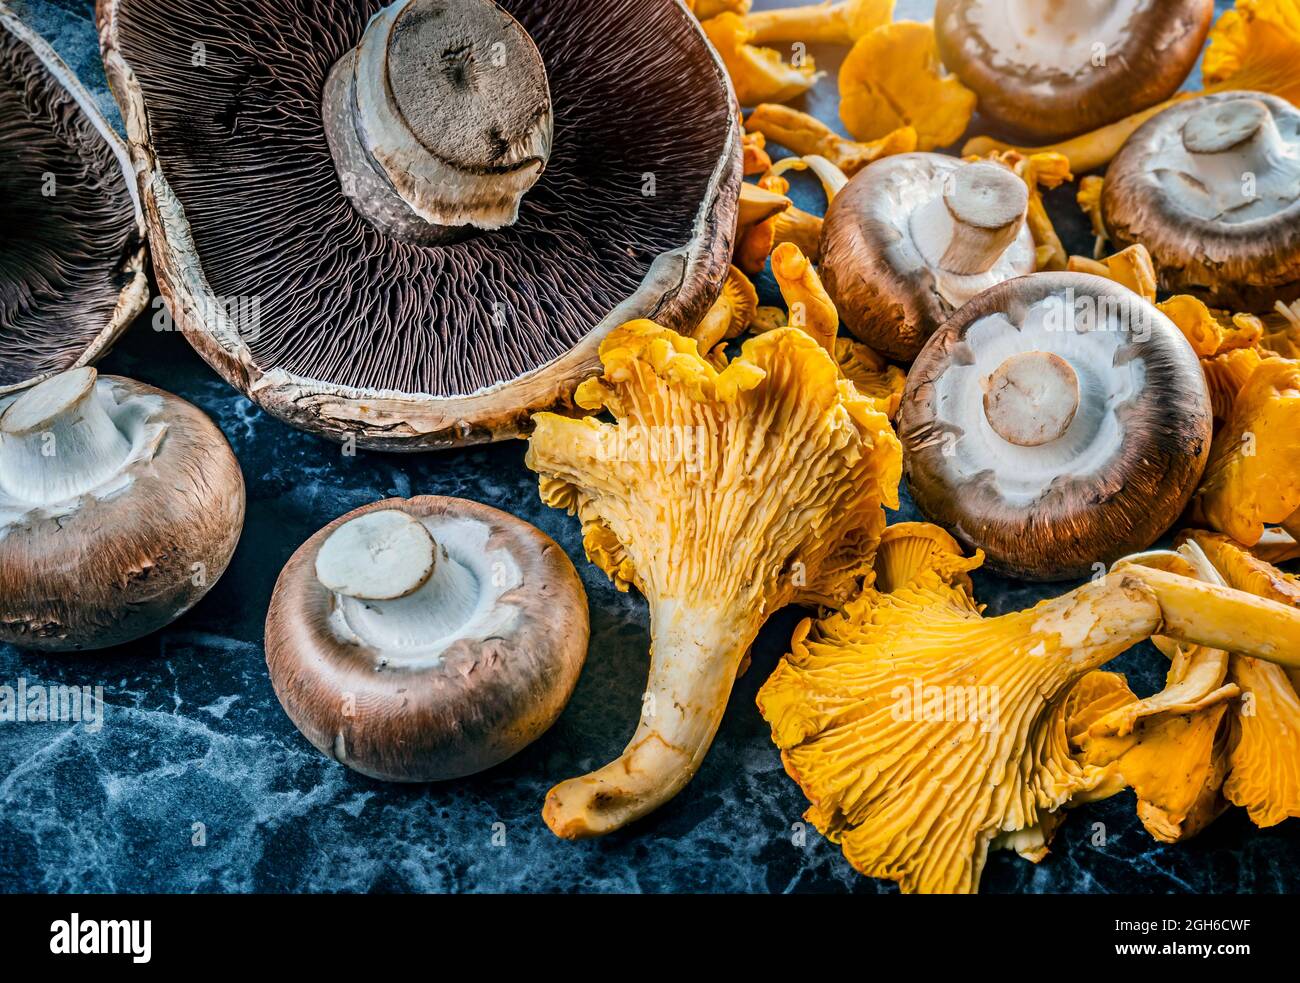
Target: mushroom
(1056, 422)
(423, 639)
(120, 507)
(1253, 476)
(343, 253)
(1130, 268)
(759, 74)
(1212, 188)
(1050, 69)
(722, 496)
(806, 135)
(1254, 47)
(1039, 172)
(828, 22)
(914, 237)
(892, 78)
(72, 260)
(924, 734)
(730, 314)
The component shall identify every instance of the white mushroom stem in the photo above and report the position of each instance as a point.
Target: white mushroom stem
(966, 230)
(440, 119)
(57, 440)
(1230, 140)
(396, 589)
(692, 671)
(1031, 398)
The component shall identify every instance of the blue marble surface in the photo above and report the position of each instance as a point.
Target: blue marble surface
(192, 732)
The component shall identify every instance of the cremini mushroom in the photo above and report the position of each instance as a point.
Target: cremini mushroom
(722, 496)
(1056, 422)
(892, 78)
(1049, 69)
(914, 237)
(72, 258)
(1211, 187)
(924, 734)
(334, 214)
(1252, 47)
(424, 639)
(120, 507)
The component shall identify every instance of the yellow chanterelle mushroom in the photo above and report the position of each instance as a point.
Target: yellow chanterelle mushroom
(722, 496)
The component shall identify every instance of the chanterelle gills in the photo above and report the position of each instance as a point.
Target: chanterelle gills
(1212, 188)
(72, 256)
(913, 237)
(412, 224)
(722, 496)
(425, 639)
(120, 507)
(1056, 422)
(924, 734)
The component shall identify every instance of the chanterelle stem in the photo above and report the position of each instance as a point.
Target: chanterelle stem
(440, 119)
(57, 440)
(1031, 398)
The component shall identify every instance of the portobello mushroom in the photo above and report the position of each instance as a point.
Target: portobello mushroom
(412, 225)
(72, 258)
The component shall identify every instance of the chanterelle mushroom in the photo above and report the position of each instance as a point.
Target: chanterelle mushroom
(722, 496)
(924, 734)
(1056, 422)
(914, 237)
(293, 160)
(120, 506)
(427, 638)
(72, 258)
(1211, 187)
(1054, 68)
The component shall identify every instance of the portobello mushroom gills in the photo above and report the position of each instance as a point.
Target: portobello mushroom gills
(72, 257)
(412, 225)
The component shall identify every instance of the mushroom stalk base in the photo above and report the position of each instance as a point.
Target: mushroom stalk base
(439, 121)
(1218, 617)
(692, 668)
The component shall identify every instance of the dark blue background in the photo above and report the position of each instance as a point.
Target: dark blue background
(194, 734)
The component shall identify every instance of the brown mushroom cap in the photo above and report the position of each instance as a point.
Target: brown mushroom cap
(914, 237)
(120, 507)
(472, 661)
(345, 330)
(72, 255)
(1049, 69)
(1211, 187)
(1108, 407)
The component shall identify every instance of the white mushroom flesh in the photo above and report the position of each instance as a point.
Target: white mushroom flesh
(1232, 162)
(464, 597)
(921, 212)
(72, 437)
(1051, 39)
(1094, 347)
